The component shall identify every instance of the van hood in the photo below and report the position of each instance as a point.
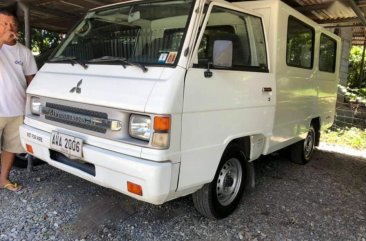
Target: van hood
(104, 85)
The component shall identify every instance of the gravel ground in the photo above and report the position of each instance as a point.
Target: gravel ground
(323, 200)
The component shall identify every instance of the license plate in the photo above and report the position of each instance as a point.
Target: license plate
(66, 144)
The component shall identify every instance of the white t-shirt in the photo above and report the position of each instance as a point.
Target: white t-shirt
(15, 62)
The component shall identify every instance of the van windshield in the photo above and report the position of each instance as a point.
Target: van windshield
(144, 32)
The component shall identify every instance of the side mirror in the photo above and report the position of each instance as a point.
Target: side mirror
(134, 16)
(223, 53)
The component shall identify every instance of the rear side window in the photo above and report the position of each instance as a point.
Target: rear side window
(300, 44)
(327, 54)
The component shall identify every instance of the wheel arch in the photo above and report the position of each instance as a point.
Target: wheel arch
(316, 124)
(245, 144)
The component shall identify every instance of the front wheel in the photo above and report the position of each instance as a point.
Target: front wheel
(219, 198)
(21, 160)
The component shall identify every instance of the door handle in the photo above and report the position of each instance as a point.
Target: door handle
(266, 89)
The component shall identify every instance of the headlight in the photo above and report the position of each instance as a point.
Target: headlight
(35, 105)
(140, 127)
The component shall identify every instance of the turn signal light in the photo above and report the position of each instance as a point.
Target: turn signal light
(29, 148)
(134, 188)
(161, 123)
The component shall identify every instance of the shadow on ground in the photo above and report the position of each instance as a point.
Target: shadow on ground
(323, 200)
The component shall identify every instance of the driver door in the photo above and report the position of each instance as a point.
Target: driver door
(222, 103)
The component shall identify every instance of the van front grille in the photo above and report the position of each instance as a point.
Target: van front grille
(77, 117)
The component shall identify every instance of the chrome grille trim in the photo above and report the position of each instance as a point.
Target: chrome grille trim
(77, 110)
(86, 119)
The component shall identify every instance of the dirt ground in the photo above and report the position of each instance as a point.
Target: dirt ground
(323, 200)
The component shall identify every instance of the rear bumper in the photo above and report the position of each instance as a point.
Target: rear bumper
(112, 170)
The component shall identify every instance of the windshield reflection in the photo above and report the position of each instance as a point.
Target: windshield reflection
(146, 33)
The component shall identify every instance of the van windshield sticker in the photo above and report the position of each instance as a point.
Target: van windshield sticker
(162, 58)
(171, 58)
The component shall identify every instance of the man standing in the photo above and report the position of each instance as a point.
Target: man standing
(17, 69)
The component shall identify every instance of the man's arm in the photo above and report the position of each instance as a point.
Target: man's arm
(29, 78)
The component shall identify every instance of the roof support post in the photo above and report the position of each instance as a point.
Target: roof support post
(25, 9)
(362, 65)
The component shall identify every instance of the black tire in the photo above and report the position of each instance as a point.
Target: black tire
(302, 151)
(21, 161)
(219, 198)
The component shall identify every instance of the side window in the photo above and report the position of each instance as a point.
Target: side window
(327, 54)
(300, 44)
(243, 30)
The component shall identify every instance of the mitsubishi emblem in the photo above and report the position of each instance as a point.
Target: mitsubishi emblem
(77, 88)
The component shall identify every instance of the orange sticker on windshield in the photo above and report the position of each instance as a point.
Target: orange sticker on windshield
(171, 58)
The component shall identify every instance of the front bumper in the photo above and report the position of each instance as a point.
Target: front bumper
(112, 169)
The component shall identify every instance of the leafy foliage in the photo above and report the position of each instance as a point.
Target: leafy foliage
(362, 92)
(42, 40)
(354, 95)
(350, 137)
(355, 60)
(43, 43)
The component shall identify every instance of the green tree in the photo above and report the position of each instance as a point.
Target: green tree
(355, 61)
(42, 40)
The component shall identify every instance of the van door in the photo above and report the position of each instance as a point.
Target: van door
(327, 78)
(224, 99)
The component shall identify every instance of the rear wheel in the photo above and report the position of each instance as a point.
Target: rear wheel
(302, 151)
(219, 198)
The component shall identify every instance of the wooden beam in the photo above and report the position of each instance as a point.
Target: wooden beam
(361, 3)
(339, 20)
(358, 11)
(53, 25)
(344, 25)
(40, 2)
(97, 2)
(314, 7)
(56, 13)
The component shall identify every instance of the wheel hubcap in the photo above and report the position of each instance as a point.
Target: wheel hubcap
(309, 144)
(229, 181)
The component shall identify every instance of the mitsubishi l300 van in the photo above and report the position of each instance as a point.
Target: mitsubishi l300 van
(161, 99)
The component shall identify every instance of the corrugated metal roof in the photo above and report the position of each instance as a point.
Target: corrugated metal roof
(326, 10)
(58, 15)
(334, 14)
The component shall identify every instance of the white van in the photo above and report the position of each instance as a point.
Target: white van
(160, 99)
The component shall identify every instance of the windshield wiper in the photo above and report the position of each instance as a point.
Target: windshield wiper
(117, 59)
(71, 59)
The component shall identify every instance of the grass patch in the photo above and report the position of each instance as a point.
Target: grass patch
(350, 137)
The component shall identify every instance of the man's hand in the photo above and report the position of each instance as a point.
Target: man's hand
(8, 37)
